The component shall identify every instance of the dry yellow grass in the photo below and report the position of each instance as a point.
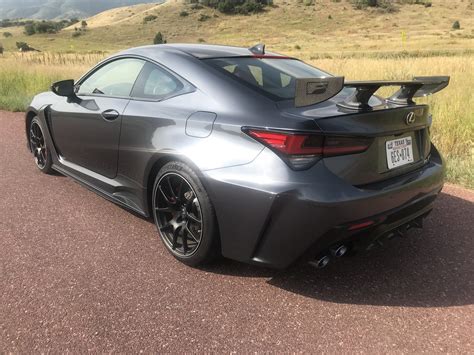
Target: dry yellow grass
(22, 76)
(357, 44)
(288, 23)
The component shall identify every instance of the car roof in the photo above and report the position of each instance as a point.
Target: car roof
(205, 51)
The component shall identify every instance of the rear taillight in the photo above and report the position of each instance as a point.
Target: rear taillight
(345, 145)
(301, 150)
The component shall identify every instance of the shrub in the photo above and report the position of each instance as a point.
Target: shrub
(76, 34)
(24, 47)
(1, 49)
(201, 40)
(30, 29)
(33, 27)
(203, 17)
(384, 5)
(159, 39)
(243, 7)
(149, 18)
(183, 13)
(7, 34)
(456, 25)
(297, 46)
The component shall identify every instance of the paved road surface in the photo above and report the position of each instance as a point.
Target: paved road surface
(79, 273)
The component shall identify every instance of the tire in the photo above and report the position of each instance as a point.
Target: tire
(39, 148)
(184, 215)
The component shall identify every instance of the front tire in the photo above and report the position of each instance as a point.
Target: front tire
(184, 215)
(38, 147)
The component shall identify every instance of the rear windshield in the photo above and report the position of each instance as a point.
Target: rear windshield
(273, 77)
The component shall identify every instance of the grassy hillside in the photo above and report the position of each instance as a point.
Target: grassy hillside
(368, 44)
(326, 26)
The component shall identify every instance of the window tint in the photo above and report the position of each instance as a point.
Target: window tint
(273, 77)
(113, 79)
(155, 83)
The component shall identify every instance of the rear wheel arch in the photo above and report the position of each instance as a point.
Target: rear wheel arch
(153, 173)
(155, 169)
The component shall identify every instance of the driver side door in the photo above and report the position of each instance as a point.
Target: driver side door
(86, 130)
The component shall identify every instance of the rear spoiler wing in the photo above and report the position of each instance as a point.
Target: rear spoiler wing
(311, 91)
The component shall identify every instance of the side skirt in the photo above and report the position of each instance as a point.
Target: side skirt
(98, 190)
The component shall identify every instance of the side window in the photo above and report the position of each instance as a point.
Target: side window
(155, 83)
(257, 74)
(285, 80)
(113, 79)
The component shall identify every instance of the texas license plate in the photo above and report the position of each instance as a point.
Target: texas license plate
(399, 152)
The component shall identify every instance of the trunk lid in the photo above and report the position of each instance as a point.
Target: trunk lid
(384, 123)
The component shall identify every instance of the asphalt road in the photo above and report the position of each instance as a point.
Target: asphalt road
(79, 273)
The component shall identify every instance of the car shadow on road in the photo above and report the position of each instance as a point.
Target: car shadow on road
(430, 268)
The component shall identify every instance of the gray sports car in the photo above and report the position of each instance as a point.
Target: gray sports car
(238, 152)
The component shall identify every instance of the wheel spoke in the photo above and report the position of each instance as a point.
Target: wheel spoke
(43, 154)
(175, 239)
(173, 195)
(185, 242)
(163, 209)
(191, 234)
(192, 218)
(180, 189)
(189, 203)
(37, 131)
(168, 201)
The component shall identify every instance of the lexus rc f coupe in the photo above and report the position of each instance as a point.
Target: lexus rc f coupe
(243, 153)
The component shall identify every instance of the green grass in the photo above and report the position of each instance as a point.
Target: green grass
(360, 45)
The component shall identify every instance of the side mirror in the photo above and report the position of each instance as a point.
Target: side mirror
(64, 88)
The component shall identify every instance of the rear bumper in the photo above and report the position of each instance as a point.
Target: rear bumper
(270, 215)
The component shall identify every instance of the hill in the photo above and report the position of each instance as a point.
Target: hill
(415, 37)
(326, 26)
(60, 9)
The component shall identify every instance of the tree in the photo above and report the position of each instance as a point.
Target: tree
(159, 39)
(84, 25)
(456, 25)
(1, 49)
(243, 7)
(30, 29)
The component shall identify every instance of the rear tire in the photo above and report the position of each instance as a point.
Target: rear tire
(39, 148)
(184, 215)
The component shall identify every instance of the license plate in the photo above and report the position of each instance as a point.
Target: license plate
(399, 152)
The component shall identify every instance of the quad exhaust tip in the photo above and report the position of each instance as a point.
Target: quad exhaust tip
(339, 251)
(321, 262)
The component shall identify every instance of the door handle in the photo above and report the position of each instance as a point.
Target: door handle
(110, 115)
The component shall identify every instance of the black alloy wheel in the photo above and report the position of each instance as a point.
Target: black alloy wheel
(184, 215)
(39, 147)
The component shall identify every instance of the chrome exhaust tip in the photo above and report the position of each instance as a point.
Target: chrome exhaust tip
(339, 251)
(320, 262)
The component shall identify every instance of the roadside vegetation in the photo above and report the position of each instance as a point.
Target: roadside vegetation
(365, 43)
